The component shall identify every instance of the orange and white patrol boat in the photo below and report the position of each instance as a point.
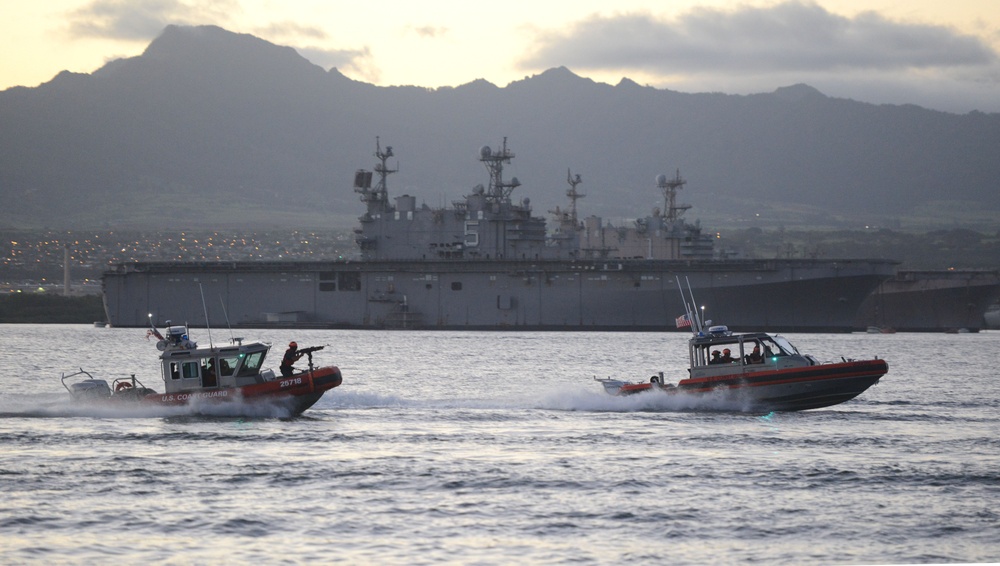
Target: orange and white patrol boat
(756, 372)
(217, 374)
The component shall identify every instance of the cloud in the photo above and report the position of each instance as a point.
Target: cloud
(139, 20)
(428, 32)
(356, 63)
(791, 36)
(753, 49)
(283, 31)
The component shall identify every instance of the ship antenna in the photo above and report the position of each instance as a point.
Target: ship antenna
(499, 191)
(669, 188)
(377, 199)
(572, 193)
(383, 170)
(205, 308)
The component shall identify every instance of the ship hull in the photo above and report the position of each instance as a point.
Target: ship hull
(786, 295)
(992, 317)
(931, 301)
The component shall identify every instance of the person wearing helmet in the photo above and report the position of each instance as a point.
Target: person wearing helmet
(715, 358)
(727, 356)
(292, 355)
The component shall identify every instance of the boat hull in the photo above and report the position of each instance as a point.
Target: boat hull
(295, 393)
(791, 389)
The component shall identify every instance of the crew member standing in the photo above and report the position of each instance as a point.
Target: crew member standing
(292, 355)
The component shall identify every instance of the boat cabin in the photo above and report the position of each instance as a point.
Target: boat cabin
(186, 367)
(718, 351)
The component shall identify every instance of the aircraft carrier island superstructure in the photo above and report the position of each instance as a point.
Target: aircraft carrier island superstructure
(487, 263)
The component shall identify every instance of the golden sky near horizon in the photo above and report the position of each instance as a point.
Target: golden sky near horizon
(942, 55)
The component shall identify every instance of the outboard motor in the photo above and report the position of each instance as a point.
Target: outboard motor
(90, 389)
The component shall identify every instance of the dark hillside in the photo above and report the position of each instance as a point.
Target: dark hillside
(209, 128)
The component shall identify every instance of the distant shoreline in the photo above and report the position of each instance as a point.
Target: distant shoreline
(42, 308)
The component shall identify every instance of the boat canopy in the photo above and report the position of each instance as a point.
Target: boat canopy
(741, 347)
(227, 366)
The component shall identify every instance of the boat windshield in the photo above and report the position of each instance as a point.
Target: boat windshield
(785, 346)
(773, 346)
(251, 364)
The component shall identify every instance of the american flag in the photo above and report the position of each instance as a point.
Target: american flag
(682, 321)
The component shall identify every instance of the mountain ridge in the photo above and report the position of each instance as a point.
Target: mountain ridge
(241, 128)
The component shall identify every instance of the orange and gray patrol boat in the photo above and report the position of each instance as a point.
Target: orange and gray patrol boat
(194, 376)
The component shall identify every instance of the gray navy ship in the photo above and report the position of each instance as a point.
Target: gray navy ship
(954, 300)
(488, 263)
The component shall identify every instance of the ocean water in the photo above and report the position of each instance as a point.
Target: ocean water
(499, 448)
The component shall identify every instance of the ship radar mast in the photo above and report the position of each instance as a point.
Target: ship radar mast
(669, 188)
(573, 195)
(383, 171)
(377, 198)
(499, 191)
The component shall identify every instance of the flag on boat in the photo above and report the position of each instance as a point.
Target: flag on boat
(153, 332)
(683, 320)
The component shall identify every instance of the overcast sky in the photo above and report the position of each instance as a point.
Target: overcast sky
(940, 54)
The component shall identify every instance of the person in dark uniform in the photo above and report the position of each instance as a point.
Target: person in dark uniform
(292, 355)
(727, 356)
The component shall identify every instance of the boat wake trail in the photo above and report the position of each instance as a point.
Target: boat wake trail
(47, 407)
(598, 401)
(559, 398)
(352, 400)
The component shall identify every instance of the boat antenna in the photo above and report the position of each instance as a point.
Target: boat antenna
(687, 307)
(694, 306)
(205, 308)
(689, 310)
(226, 314)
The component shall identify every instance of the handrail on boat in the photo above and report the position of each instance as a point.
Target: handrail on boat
(131, 380)
(74, 374)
